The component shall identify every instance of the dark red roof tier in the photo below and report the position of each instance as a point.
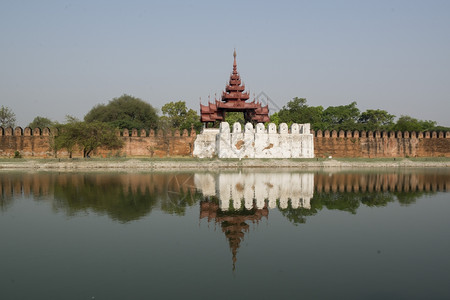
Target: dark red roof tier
(234, 100)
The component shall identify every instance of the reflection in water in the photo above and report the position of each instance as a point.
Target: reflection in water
(253, 189)
(123, 197)
(388, 248)
(246, 197)
(412, 181)
(232, 200)
(235, 199)
(233, 223)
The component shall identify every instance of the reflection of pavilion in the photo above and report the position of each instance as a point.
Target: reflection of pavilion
(249, 189)
(242, 199)
(234, 223)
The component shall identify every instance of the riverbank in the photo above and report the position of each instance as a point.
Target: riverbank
(214, 164)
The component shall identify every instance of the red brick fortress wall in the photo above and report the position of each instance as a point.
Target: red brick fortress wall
(37, 143)
(381, 144)
(140, 143)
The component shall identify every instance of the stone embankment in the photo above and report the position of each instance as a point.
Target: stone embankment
(214, 164)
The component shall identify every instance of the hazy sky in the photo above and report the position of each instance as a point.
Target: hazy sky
(64, 57)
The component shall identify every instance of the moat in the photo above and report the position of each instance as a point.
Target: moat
(253, 233)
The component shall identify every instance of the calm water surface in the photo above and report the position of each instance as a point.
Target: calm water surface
(255, 234)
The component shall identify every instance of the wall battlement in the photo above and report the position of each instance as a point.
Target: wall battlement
(255, 142)
(36, 142)
(374, 144)
(380, 134)
(27, 131)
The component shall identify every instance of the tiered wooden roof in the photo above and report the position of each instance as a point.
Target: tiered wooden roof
(234, 100)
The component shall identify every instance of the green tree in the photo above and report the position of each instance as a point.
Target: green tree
(407, 123)
(86, 136)
(441, 128)
(275, 118)
(177, 115)
(125, 112)
(376, 119)
(342, 117)
(297, 111)
(235, 117)
(7, 117)
(41, 122)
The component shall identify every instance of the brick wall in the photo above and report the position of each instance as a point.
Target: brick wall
(37, 143)
(381, 144)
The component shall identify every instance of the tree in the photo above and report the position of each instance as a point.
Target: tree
(41, 122)
(124, 112)
(275, 118)
(297, 111)
(342, 117)
(376, 119)
(7, 117)
(234, 117)
(407, 123)
(177, 115)
(86, 136)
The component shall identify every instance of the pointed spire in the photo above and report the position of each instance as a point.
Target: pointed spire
(234, 63)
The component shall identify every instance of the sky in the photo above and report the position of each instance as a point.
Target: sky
(61, 58)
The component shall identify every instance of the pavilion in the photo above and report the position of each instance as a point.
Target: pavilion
(234, 100)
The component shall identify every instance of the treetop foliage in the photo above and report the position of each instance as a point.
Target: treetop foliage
(125, 112)
(177, 115)
(41, 122)
(7, 117)
(348, 117)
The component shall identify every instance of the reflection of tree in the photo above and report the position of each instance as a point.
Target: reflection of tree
(377, 199)
(108, 196)
(347, 201)
(407, 198)
(176, 201)
(127, 198)
(297, 215)
(5, 202)
(7, 190)
(340, 201)
(179, 193)
(123, 197)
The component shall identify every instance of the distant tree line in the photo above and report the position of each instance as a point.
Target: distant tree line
(348, 117)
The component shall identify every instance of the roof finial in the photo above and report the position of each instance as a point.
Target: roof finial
(234, 53)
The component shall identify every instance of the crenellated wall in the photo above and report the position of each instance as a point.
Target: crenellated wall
(257, 142)
(381, 144)
(37, 143)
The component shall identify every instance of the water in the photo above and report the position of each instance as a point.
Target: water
(246, 234)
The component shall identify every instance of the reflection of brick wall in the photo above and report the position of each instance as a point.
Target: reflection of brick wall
(36, 143)
(381, 144)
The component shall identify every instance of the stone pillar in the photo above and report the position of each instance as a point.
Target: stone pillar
(223, 141)
(249, 141)
(261, 141)
(237, 141)
(296, 141)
